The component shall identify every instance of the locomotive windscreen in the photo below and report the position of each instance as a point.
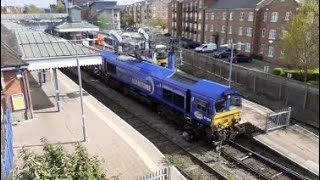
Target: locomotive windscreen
(184, 78)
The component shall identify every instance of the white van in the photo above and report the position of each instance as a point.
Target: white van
(206, 47)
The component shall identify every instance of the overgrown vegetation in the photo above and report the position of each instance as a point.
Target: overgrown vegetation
(57, 163)
(300, 42)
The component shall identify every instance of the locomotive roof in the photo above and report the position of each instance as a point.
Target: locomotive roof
(200, 86)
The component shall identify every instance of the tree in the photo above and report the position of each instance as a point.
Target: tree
(32, 9)
(300, 43)
(59, 8)
(158, 21)
(56, 163)
(127, 21)
(103, 22)
(88, 15)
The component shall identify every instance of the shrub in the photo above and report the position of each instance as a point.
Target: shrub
(278, 71)
(314, 83)
(313, 75)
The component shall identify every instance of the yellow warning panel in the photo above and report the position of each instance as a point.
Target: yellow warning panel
(18, 102)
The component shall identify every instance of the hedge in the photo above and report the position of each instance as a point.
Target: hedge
(278, 71)
(313, 75)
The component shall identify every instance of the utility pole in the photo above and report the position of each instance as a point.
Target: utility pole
(230, 67)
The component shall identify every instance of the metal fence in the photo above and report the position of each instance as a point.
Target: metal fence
(6, 143)
(278, 119)
(162, 174)
(266, 89)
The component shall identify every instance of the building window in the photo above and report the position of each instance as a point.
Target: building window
(211, 28)
(272, 34)
(230, 29)
(206, 27)
(222, 41)
(271, 52)
(248, 47)
(223, 29)
(250, 16)
(230, 41)
(211, 38)
(241, 16)
(262, 49)
(212, 16)
(199, 27)
(288, 14)
(200, 16)
(263, 33)
(274, 17)
(231, 16)
(265, 16)
(207, 16)
(249, 32)
(224, 16)
(199, 38)
(240, 31)
(239, 46)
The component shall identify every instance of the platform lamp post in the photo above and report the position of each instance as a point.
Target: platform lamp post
(84, 131)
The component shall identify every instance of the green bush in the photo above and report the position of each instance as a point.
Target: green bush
(313, 75)
(278, 71)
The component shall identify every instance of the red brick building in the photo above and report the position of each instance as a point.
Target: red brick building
(14, 78)
(255, 26)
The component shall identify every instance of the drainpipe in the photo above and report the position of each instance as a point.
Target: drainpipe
(26, 94)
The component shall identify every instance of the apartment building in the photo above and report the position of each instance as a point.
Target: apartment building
(274, 18)
(143, 11)
(255, 26)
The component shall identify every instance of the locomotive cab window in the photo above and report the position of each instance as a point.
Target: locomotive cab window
(202, 106)
(111, 68)
(235, 101)
(220, 105)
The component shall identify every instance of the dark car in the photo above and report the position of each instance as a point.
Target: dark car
(224, 53)
(173, 40)
(167, 34)
(237, 58)
(189, 44)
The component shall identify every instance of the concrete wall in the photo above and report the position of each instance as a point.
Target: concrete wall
(266, 89)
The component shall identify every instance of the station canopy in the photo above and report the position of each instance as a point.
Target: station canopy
(43, 51)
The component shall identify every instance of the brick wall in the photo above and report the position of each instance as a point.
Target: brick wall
(266, 25)
(15, 86)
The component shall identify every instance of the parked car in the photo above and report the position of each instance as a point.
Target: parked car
(189, 44)
(224, 52)
(237, 58)
(167, 34)
(173, 40)
(206, 47)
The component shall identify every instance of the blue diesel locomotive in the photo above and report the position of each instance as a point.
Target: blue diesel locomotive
(208, 108)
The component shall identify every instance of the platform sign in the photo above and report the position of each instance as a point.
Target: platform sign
(18, 102)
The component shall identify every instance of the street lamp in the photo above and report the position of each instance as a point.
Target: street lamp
(80, 88)
(231, 62)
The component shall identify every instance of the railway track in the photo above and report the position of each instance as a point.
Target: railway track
(263, 167)
(201, 166)
(199, 170)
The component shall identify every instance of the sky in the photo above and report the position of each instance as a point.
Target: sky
(46, 3)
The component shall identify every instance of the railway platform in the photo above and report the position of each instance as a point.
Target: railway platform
(124, 151)
(294, 142)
